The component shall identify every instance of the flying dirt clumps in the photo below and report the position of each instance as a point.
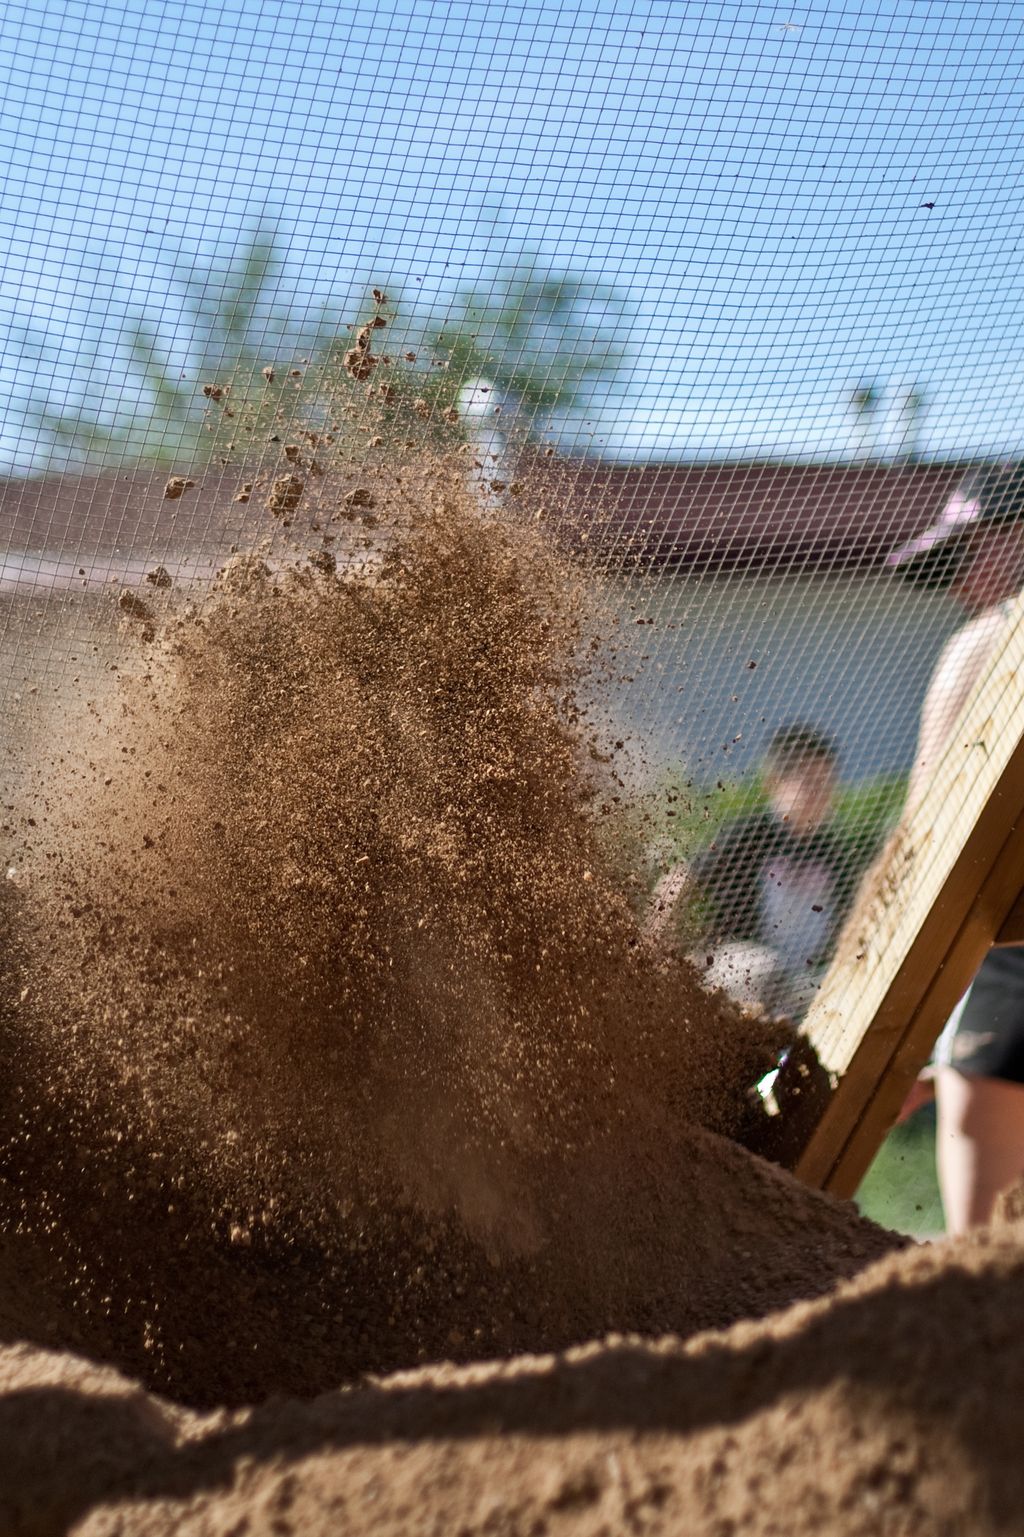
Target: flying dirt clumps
(359, 360)
(132, 606)
(286, 493)
(331, 1027)
(176, 487)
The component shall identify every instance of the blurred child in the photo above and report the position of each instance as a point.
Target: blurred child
(775, 883)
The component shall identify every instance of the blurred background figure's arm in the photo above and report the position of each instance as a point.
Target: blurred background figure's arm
(957, 671)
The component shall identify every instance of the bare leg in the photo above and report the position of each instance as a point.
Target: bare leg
(979, 1146)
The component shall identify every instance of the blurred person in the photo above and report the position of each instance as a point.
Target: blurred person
(976, 552)
(775, 883)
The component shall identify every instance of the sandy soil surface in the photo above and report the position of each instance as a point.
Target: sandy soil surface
(892, 1406)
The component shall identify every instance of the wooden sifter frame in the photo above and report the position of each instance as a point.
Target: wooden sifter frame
(949, 885)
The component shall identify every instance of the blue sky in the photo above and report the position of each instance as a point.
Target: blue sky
(755, 179)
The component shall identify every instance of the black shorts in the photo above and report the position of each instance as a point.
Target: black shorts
(985, 1036)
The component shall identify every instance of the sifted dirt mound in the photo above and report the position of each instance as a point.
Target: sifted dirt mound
(891, 1407)
(697, 1236)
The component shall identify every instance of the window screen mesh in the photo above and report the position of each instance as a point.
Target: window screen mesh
(732, 291)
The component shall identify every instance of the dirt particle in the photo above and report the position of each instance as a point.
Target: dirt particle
(359, 363)
(324, 561)
(131, 604)
(360, 497)
(285, 494)
(176, 486)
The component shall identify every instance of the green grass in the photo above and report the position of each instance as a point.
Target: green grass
(900, 1190)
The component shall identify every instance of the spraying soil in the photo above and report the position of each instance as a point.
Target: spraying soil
(330, 1039)
(334, 1061)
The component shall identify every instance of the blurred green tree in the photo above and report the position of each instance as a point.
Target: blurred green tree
(546, 337)
(234, 326)
(548, 340)
(864, 404)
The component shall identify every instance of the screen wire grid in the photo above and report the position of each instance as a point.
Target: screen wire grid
(741, 282)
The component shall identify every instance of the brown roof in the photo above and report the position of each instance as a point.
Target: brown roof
(124, 513)
(741, 516)
(698, 517)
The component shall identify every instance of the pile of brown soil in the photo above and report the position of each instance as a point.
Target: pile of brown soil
(102, 1262)
(891, 1407)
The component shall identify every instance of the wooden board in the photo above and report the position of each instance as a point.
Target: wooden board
(942, 894)
(1012, 931)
